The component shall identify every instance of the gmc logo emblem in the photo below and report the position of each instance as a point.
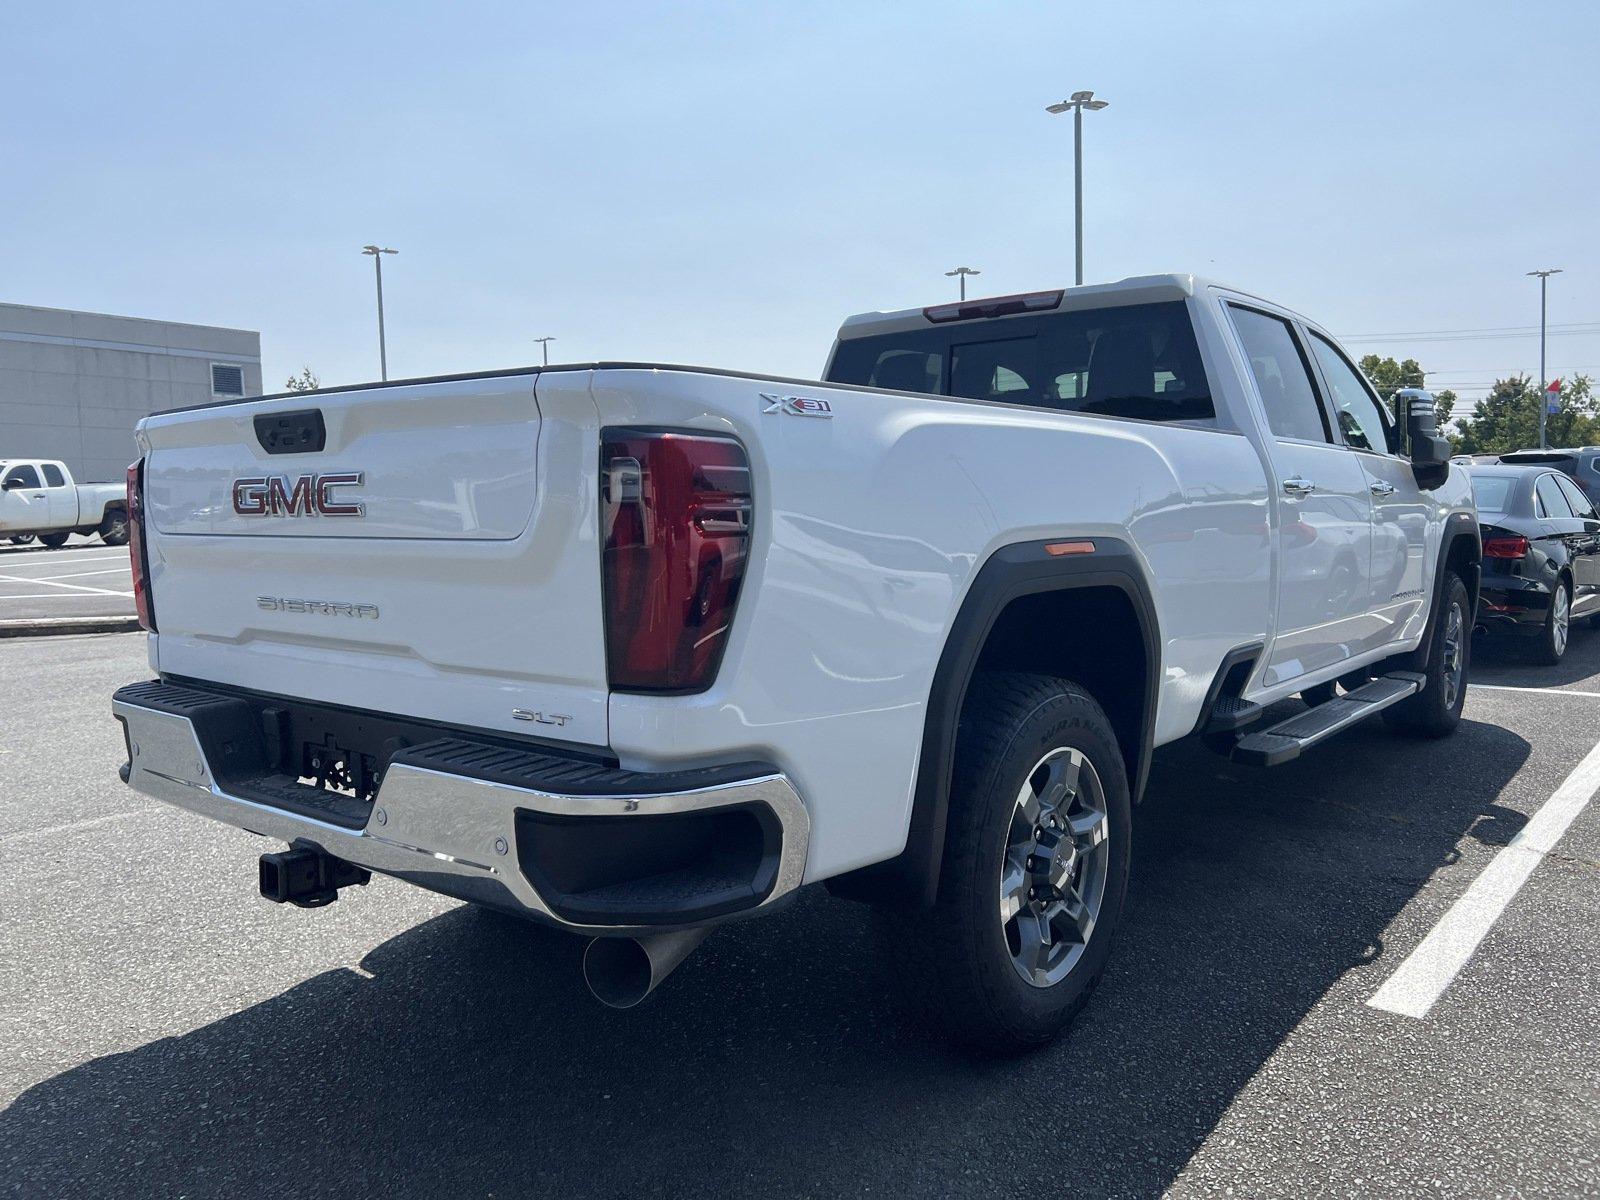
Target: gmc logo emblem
(307, 496)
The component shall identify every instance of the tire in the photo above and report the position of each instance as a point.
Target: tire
(1550, 647)
(25, 539)
(1436, 710)
(54, 541)
(970, 966)
(114, 527)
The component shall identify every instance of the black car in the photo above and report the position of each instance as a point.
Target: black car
(1541, 555)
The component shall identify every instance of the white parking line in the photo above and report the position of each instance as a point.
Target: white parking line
(53, 596)
(1501, 687)
(77, 587)
(79, 574)
(74, 561)
(1422, 978)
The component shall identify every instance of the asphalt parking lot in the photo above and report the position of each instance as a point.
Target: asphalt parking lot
(163, 1031)
(84, 578)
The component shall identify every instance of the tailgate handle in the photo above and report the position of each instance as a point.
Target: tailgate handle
(299, 432)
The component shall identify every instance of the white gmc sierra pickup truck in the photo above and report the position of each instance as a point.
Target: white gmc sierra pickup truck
(638, 649)
(39, 498)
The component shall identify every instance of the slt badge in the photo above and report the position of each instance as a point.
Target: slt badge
(796, 406)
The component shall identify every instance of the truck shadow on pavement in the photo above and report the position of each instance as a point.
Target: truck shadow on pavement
(466, 1059)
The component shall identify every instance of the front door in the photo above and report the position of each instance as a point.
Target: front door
(1324, 508)
(1401, 569)
(24, 506)
(1583, 544)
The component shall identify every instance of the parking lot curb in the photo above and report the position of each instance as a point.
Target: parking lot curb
(57, 626)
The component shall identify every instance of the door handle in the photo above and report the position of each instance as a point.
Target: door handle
(1297, 485)
(40, 496)
(1382, 487)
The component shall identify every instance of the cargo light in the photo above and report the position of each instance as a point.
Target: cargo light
(998, 306)
(675, 512)
(138, 559)
(1505, 547)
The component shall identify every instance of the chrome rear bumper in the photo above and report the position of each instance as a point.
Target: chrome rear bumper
(449, 832)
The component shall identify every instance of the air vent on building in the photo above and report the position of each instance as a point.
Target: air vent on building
(227, 380)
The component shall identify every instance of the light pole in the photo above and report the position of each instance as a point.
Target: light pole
(963, 272)
(544, 344)
(377, 263)
(1544, 279)
(1077, 102)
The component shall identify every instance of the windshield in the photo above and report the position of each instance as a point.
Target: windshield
(1492, 493)
(1137, 361)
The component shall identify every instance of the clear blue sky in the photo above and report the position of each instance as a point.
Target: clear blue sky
(721, 183)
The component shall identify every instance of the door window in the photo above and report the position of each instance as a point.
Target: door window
(22, 476)
(1552, 503)
(1282, 375)
(1575, 497)
(52, 476)
(1362, 420)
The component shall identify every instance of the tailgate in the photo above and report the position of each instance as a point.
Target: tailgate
(435, 558)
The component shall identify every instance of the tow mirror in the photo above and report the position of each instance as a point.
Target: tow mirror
(1430, 452)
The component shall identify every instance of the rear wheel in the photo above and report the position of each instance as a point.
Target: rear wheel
(1551, 645)
(114, 528)
(24, 539)
(1436, 710)
(54, 540)
(1035, 869)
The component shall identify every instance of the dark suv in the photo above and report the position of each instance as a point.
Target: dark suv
(1581, 464)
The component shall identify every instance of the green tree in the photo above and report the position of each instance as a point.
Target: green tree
(1508, 417)
(306, 381)
(1389, 376)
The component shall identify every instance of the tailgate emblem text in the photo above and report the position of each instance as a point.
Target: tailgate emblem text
(796, 406)
(306, 496)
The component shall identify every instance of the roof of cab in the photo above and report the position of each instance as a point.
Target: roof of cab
(1137, 289)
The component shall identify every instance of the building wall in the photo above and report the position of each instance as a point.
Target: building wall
(73, 385)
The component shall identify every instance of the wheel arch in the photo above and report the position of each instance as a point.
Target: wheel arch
(1015, 587)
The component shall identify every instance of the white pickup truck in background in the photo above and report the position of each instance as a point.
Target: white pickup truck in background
(636, 649)
(39, 498)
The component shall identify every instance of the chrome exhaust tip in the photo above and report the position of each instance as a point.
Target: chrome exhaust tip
(621, 971)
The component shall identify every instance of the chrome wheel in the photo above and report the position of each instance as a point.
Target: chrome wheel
(1455, 656)
(1053, 874)
(1560, 619)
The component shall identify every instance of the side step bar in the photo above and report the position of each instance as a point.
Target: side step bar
(1288, 740)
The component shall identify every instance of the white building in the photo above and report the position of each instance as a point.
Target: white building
(74, 384)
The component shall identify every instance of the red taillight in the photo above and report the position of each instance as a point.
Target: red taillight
(675, 513)
(1505, 547)
(136, 555)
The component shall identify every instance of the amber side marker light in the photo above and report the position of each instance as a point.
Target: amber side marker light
(1060, 548)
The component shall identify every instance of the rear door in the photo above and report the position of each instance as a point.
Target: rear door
(1401, 565)
(427, 550)
(1324, 506)
(1584, 546)
(60, 495)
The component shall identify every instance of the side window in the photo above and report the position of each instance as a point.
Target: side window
(22, 476)
(52, 475)
(1282, 375)
(1362, 419)
(1575, 498)
(1551, 500)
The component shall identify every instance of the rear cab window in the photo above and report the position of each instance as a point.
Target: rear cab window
(52, 475)
(1137, 361)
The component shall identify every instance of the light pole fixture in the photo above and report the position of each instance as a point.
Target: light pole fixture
(377, 253)
(1544, 406)
(544, 344)
(963, 272)
(1076, 103)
